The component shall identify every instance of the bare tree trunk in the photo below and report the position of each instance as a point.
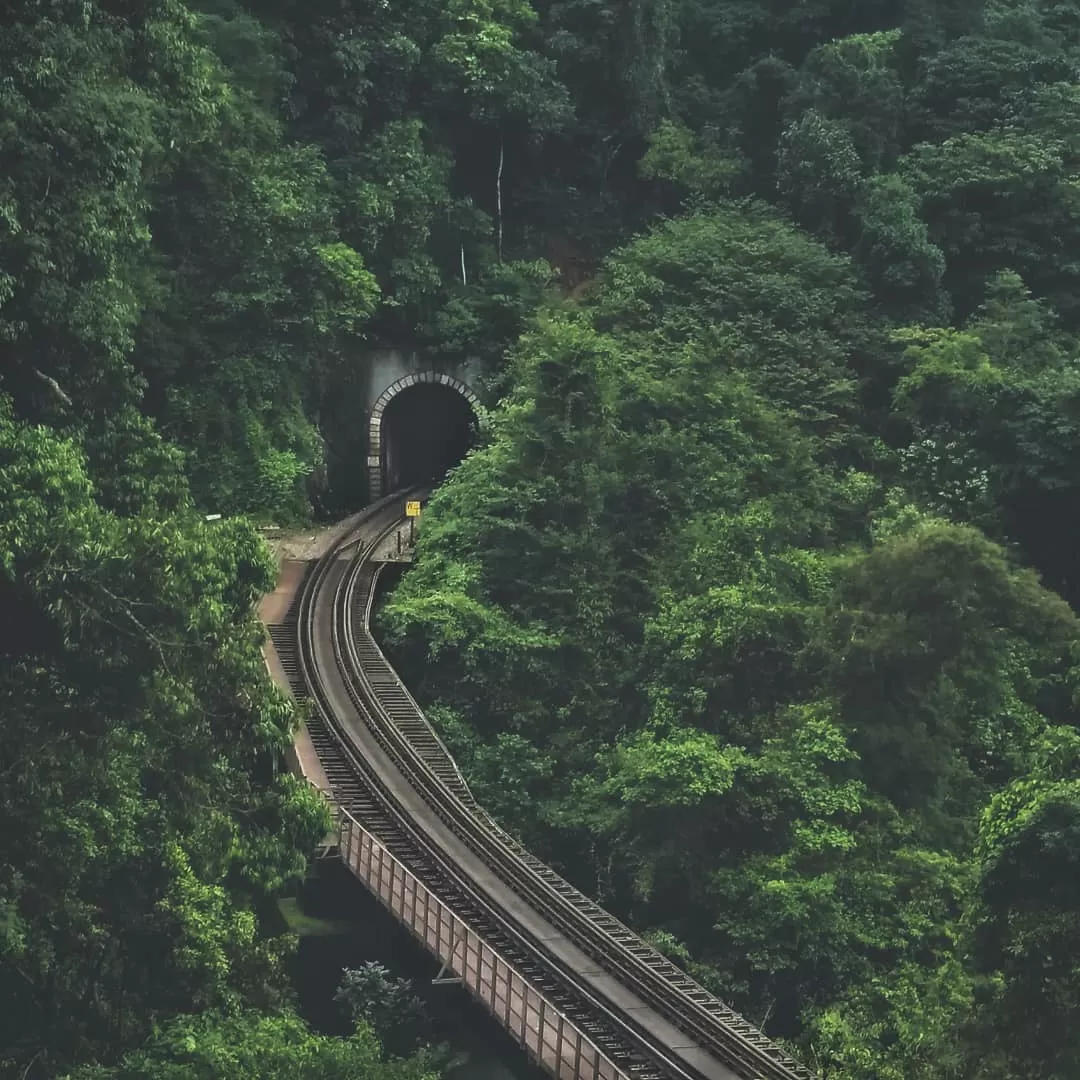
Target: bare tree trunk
(498, 197)
(464, 280)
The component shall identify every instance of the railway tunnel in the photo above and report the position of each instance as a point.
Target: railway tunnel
(421, 430)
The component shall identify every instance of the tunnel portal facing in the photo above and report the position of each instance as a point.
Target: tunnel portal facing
(420, 425)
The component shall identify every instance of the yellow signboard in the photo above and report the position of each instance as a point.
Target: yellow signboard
(412, 508)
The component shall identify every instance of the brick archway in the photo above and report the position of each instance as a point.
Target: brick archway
(375, 432)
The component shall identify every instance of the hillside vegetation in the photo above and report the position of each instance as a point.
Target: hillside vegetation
(753, 611)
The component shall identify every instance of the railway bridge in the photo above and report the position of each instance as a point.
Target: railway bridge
(585, 997)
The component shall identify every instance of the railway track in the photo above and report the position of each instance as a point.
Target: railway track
(381, 733)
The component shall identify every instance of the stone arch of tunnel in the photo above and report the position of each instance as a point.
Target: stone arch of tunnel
(421, 426)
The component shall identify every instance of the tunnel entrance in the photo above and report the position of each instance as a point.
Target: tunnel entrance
(426, 429)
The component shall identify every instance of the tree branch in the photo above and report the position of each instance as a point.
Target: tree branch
(56, 388)
(498, 196)
(30, 1064)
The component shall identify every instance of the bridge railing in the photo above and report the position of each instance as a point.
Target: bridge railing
(534, 1022)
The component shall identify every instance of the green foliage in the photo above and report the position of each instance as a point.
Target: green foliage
(933, 643)
(142, 820)
(977, 186)
(856, 81)
(676, 156)
(166, 249)
(989, 410)
(818, 172)
(1026, 923)
(749, 673)
(483, 321)
(78, 134)
(742, 284)
(250, 1046)
(414, 107)
(903, 267)
(903, 1026)
(373, 996)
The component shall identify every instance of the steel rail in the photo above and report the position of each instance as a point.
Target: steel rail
(370, 799)
(370, 681)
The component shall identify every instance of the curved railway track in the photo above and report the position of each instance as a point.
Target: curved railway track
(388, 768)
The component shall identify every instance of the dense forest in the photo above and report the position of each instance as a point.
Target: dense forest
(754, 609)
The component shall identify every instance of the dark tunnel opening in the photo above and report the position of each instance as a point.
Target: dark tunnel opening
(426, 430)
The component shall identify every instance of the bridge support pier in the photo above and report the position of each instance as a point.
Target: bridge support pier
(442, 979)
